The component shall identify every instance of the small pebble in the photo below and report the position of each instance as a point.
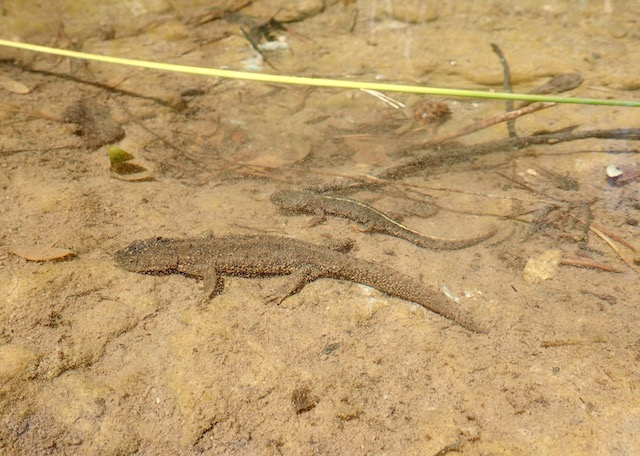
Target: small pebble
(302, 400)
(614, 171)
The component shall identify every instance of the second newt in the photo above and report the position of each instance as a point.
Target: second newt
(373, 220)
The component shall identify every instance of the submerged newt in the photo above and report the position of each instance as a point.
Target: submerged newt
(558, 84)
(560, 181)
(209, 258)
(373, 220)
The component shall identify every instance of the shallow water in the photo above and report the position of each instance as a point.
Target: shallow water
(98, 360)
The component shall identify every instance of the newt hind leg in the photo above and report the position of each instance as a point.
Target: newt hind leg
(294, 283)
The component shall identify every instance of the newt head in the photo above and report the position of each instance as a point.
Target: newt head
(153, 256)
(291, 200)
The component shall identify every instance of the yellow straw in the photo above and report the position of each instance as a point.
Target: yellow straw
(317, 82)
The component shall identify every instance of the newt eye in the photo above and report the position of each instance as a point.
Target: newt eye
(137, 248)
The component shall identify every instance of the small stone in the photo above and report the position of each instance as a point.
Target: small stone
(414, 11)
(303, 400)
(614, 170)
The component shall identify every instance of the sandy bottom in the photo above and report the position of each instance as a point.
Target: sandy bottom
(97, 360)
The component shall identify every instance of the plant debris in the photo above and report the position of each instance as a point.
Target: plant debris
(41, 253)
(123, 170)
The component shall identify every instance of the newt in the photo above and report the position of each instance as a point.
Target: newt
(558, 84)
(209, 258)
(372, 219)
(560, 181)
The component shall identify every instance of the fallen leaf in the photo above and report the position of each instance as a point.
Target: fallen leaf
(13, 86)
(542, 267)
(130, 172)
(41, 253)
(117, 155)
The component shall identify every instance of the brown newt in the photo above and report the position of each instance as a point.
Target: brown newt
(209, 258)
(373, 220)
(560, 181)
(557, 84)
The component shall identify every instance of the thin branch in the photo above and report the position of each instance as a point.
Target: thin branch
(587, 263)
(486, 123)
(506, 85)
(615, 248)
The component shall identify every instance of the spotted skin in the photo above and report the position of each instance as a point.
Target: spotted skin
(209, 258)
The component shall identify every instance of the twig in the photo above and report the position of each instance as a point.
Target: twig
(354, 20)
(256, 48)
(587, 263)
(615, 237)
(384, 98)
(100, 85)
(615, 248)
(7, 152)
(506, 85)
(568, 342)
(453, 153)
(436, 155)
(520, 184)
(485, 123)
